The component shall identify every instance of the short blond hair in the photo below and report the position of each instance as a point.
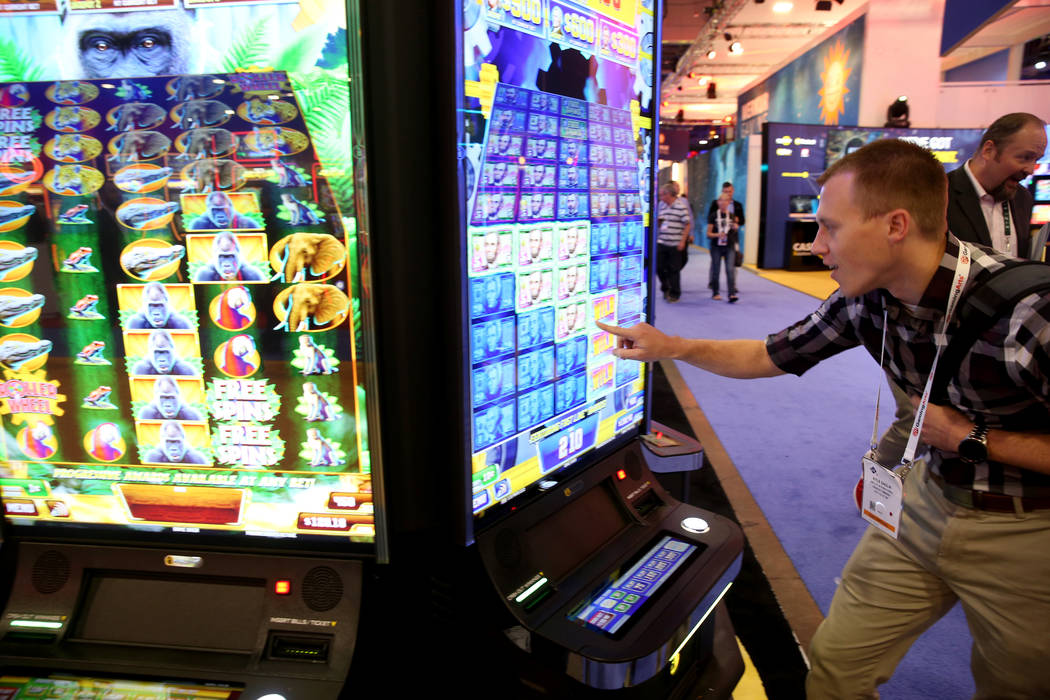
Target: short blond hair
(892, 174)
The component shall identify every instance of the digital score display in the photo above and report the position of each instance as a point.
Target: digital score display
(615, 605)
(177, 334)
(557, 149)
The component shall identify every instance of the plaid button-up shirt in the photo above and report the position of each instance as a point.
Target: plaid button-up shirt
(1005, 377)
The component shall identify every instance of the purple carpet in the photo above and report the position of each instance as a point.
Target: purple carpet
(797, 443)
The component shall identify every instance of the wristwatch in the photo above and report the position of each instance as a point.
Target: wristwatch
(974, 447)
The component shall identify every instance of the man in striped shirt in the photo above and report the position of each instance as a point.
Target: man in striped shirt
(974, 530)
(676, 222)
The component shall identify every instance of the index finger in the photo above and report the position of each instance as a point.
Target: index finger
(615, 330)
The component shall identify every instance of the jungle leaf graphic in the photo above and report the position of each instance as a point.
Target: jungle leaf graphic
(250, 48)
(303, 51)
(16, 65)
(324, 96)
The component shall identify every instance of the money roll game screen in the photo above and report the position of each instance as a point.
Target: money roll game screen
(556, 147)
(179, 301)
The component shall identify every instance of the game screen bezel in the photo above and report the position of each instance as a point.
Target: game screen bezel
(281, 89)
(500, 118)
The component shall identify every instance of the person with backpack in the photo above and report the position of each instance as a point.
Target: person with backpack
(986, 205)
(975, 523)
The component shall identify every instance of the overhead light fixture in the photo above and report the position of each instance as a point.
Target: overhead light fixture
(897, 114)
(783, 7)
(711, 54)
(736, 48)
(703, 80)
(823, 5)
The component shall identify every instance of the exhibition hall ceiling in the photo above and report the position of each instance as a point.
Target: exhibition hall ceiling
(767, 38)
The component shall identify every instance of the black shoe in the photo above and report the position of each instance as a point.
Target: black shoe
(672, 300)
(733, 298)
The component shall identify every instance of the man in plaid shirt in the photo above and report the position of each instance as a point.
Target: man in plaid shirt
(974, 530)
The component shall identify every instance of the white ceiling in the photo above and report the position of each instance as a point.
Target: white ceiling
(768, 39)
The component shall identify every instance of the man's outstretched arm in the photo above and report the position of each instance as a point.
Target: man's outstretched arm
(740, 359)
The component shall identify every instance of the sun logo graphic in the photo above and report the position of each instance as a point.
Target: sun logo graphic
(836, 74)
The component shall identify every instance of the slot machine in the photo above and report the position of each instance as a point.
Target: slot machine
(517, 145)
(189, 498)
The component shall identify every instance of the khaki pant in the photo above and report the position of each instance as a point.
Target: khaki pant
(997, 565)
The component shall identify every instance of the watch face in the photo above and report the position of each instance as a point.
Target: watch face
(973, 450)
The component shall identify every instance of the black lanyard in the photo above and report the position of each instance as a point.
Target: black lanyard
(1006, 228)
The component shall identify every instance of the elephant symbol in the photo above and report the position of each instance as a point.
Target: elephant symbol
(321, 305)
(302, 255)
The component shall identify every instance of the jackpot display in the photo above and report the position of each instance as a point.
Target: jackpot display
(180, 319)
(557, 151)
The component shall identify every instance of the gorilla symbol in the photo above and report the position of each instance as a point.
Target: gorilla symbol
(173, 447)
(168, 403)
(157, 311)
(161, 357)
(227, 263)
(128, 44)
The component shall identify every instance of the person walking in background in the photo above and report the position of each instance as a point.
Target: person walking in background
(675, 220)
(736, 210)
(722, 234)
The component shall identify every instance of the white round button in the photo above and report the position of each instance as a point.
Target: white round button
(697, 525)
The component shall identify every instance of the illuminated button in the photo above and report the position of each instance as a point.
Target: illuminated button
(282, 587)
(621, 474)
(324, 521)
(183, 561)
(697, 525)
(20, 507)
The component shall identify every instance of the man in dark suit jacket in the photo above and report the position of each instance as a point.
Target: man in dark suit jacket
(977, 192)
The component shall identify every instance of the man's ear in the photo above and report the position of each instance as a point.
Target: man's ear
(988, 150)
(899, 225)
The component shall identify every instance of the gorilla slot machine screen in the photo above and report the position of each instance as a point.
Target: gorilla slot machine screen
(557, 145)
(180, 305)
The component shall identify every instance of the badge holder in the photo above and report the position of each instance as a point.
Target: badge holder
(880, 491)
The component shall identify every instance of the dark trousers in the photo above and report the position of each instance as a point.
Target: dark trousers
(718, 254)
(669, 264)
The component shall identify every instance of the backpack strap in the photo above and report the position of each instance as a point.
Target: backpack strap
(980, 307)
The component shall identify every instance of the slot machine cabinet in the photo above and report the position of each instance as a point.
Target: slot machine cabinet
(555, 501)
(189, 500)
(619, 575)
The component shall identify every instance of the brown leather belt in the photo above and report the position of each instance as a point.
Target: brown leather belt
(981, 500)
